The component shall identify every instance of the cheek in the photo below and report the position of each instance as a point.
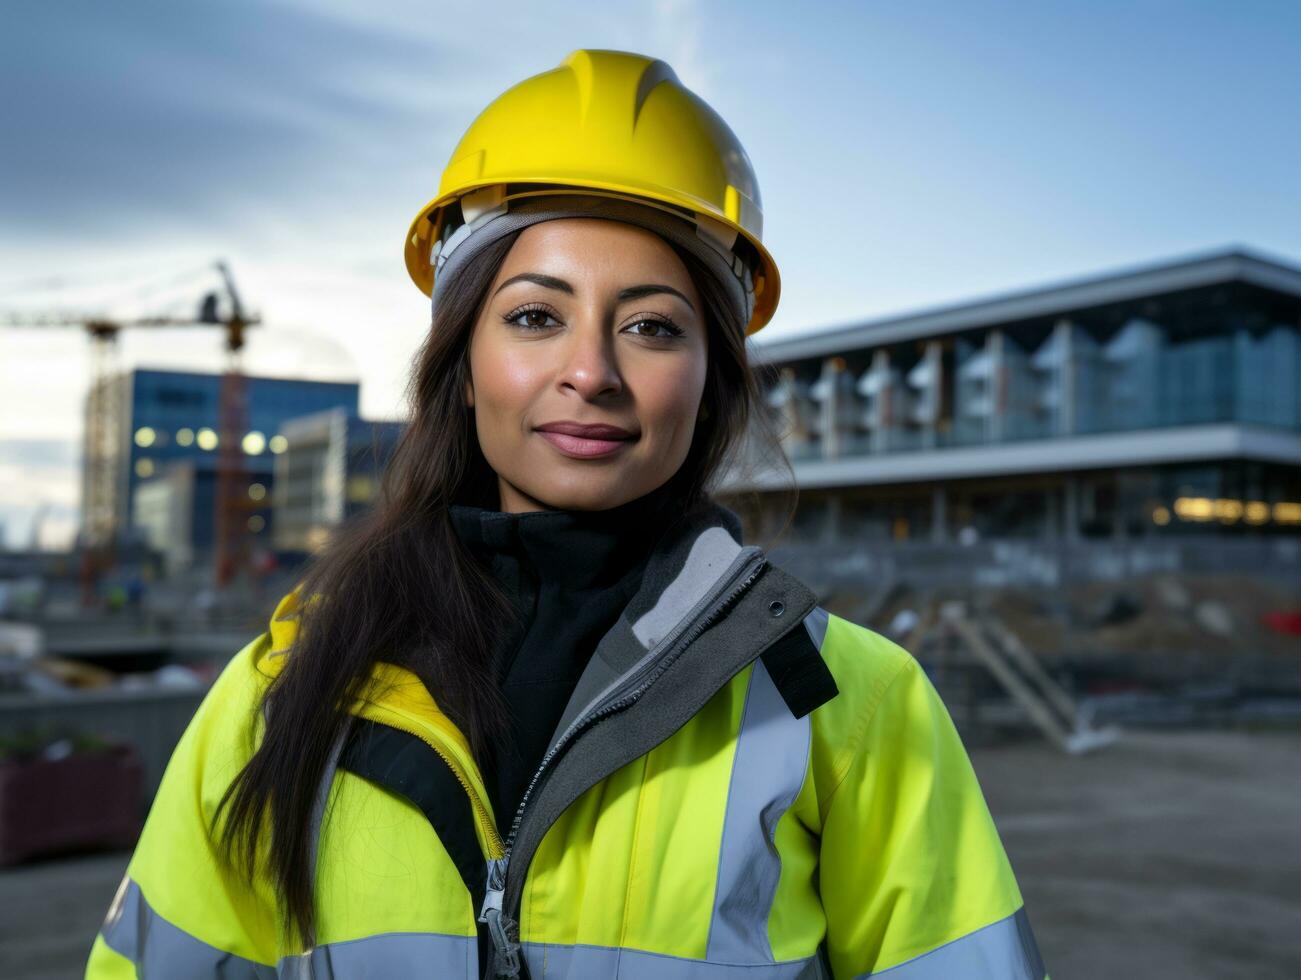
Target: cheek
(505, 386)
(671, 398)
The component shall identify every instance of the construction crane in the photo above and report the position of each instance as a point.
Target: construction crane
(104, 418)
(231, 529)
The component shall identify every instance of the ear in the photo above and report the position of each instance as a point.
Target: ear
(469, 393)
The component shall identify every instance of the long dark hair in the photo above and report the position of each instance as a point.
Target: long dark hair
(385, 560)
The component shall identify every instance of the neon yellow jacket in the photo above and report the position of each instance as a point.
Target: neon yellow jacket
(743, 786)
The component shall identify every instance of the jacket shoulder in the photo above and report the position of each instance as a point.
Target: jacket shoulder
(223, 733)
(863, 661)
(865, 665)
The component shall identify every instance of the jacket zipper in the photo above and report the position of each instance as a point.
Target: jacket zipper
(501, 926)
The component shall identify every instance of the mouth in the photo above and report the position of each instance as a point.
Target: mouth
(586, 442)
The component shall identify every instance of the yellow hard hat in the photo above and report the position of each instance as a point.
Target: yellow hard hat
(613, 124)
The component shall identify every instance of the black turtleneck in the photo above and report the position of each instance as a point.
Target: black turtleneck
(569, 574)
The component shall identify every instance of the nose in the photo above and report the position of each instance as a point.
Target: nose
(589, 365)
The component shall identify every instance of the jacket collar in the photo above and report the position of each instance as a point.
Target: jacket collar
(568, 549)
(689, 563)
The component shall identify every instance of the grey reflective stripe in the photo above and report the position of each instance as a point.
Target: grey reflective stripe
(768, 771)
(711, 554)
(682, 582)
(548, 962)
(386, 956)
(816, 623)
(1003, 950)
(160, 949)
(323, 795)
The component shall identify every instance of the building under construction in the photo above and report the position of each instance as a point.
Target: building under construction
(1155, 403)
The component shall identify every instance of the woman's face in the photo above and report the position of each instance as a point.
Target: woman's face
(594, 322)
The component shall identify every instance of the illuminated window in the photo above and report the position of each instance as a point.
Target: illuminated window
(1195, 508)
(1287, 513)
(360, 489)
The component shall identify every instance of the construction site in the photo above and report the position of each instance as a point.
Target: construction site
(1125, 670)
(1026, 405)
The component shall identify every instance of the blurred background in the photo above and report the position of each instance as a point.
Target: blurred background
(1037, 367)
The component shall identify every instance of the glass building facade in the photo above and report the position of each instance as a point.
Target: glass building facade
(329, 471)
(1160, 400)
(168, 433)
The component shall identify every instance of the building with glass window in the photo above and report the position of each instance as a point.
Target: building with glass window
(329, 471)
(1156, 401)
(154, 478)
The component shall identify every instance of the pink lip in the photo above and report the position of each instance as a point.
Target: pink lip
(580, 446)
(588, 430)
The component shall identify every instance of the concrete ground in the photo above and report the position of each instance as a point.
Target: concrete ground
(1168, 855)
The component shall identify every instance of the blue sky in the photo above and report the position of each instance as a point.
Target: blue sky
(909, 155)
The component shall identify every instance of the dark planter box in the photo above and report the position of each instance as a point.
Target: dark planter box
(85, 800)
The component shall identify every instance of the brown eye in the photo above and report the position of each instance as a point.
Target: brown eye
(663, 329)
(535, 317)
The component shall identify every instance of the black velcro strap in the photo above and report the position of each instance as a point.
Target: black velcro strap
(407, 766)
(801, 675)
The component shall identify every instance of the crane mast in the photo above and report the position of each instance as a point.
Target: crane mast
(105, 482)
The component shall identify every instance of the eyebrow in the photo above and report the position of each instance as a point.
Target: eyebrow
(632, 292)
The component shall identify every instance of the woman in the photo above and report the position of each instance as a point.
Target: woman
(543, 713)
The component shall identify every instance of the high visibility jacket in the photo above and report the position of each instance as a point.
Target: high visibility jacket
(742, 786)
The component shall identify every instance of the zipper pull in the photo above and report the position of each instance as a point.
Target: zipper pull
(506, 962)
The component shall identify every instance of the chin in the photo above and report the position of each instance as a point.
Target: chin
(586, 496)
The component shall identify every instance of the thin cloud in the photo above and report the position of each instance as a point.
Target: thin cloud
(39, 478)
(681, 36)
(163, 114)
